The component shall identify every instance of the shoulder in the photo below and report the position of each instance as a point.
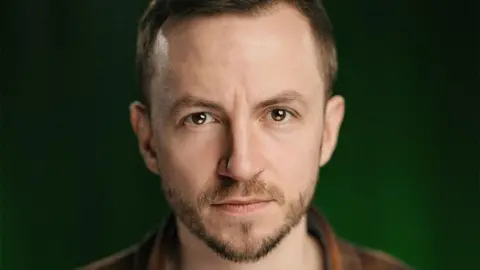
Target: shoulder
(369, 259)
(126, 259)
(378, 260)
(120, 260)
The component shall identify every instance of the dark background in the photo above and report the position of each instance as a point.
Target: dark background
(404, 179)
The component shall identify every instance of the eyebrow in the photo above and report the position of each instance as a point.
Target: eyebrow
(189, 101)
(193, 101)
(285, 97)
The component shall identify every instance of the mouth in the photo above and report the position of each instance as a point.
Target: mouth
(241, 206)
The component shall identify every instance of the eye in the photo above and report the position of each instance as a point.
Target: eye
(279, 115)
(199, 118)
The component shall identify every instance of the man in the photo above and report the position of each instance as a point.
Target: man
(238, 117)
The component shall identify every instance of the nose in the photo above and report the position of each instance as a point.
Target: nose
(240, 162)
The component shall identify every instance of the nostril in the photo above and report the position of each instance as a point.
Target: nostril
(226, 181)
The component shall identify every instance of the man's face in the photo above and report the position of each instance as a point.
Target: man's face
(246, 91)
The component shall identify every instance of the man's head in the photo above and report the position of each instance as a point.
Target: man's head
(237, 109)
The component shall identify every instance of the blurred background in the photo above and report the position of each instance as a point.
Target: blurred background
(404, 178)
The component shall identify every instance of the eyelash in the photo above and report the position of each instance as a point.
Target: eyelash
(183, 121)
(291, 113)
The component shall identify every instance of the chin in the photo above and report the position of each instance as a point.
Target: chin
(242, 243)
(246, 242)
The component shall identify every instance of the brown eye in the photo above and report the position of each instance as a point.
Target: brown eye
(199, 118)
(279, 115)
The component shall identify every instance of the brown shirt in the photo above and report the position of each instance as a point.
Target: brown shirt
(157, 251)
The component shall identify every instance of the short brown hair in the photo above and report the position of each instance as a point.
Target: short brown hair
(159, 11)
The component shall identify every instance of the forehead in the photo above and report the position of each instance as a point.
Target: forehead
(272, 49)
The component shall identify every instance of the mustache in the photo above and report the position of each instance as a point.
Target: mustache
(228, 187)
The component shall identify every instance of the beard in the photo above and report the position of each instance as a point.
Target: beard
(242, 244)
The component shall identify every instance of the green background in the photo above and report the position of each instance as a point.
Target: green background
(404, 178)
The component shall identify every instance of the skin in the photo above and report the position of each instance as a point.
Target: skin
(247, 89)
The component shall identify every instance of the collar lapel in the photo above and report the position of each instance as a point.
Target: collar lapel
(161, 252)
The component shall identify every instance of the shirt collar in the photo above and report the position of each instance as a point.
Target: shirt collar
(160, 250)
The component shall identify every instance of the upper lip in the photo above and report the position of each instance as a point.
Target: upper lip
(241, 201)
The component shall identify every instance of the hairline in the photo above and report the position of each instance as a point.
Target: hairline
(324, 60)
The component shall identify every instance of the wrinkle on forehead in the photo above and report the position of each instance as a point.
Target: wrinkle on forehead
(191, 39)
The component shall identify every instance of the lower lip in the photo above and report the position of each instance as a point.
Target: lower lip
(241, 209)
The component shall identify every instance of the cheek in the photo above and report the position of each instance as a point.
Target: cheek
(294, 161)
(188, 162)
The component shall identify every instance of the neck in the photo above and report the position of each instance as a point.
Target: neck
(298, 250)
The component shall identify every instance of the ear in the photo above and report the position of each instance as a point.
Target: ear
(141, 126)
(333, 118)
